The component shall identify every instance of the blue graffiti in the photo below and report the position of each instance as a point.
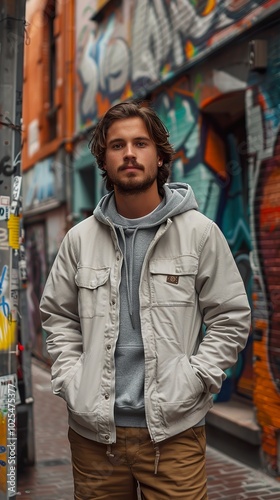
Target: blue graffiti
(5, 307)
(2, 279)
(3, 303)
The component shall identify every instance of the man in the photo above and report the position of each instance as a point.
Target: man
(124, 306)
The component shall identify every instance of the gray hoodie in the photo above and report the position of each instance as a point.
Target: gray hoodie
(135, 236)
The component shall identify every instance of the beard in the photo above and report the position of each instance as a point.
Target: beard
(132, 185)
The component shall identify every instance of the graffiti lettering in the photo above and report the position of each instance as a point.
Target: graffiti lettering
(3, 303)
(4, 212)
(4, 239)
(17, 159)
(5, 307)
(6, 168)
(16, 193)
(2, 278)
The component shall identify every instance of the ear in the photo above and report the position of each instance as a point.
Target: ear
(160, 162)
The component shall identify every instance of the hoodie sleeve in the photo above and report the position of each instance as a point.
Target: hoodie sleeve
(225, 310)
(59, 314)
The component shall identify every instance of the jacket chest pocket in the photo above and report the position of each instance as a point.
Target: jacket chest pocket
(173, 280)
(93, 292)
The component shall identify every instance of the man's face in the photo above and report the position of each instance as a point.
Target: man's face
(131, 158)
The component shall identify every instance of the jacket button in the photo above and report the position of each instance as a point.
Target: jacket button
(109, 347)
(106, 396)
(107, 437)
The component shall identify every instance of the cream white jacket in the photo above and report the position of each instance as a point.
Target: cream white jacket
(189, 278)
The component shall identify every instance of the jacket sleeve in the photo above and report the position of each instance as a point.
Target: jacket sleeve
(225, 311)
(59, 314)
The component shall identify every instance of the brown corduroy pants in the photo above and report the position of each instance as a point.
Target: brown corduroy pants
(173, 469)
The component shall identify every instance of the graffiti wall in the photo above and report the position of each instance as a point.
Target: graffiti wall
(209, 158)
(263, 123)
(141, 44)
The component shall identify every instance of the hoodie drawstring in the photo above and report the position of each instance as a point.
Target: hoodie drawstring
(129, 272)
(109, 451)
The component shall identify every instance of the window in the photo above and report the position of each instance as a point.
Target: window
(49, 69)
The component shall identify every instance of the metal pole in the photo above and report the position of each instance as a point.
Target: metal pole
(12, 14)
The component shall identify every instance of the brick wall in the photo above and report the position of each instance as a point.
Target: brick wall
(263, 128)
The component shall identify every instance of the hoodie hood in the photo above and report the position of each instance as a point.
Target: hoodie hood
(178, 198)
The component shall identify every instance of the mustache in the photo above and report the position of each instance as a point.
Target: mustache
(130, 163)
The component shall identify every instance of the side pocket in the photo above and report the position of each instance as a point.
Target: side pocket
(199, 435)
(70, 378)
(195, 383)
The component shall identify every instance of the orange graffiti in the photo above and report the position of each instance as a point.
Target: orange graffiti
(215, 155)
(180, 88)
(166, 69)
(270, 207)
(208, 95)
(127, 93)
(103, 104)
(180, 155)
(101, 4)
(210, 6)
(266, 346)
(261, 101)
(189, 50)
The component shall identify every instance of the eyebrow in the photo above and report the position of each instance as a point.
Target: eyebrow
(120, 139)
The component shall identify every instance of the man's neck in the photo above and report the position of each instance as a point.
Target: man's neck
(134, 206)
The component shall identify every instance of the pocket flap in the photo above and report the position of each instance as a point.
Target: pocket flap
(87, 277)
(184, 264)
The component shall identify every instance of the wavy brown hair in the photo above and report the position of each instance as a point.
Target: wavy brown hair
(156, 130)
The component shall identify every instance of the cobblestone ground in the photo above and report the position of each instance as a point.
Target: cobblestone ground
(51, 477)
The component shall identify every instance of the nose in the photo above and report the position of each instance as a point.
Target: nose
(129, 151)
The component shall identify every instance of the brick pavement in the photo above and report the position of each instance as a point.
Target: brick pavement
(51, 477)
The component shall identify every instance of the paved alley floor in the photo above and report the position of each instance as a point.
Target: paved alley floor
(51, 477)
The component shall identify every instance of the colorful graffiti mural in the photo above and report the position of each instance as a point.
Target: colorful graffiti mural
(209, 160)
(264, 147)
(141, 44)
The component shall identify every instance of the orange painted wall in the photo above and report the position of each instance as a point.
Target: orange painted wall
(40, 137)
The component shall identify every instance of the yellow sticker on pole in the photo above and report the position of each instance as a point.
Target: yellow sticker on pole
(13, 226)
(7, 332)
